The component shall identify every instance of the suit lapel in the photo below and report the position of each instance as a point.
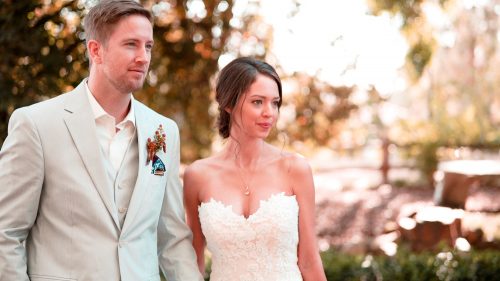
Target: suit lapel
(81, 125)
(144, 130)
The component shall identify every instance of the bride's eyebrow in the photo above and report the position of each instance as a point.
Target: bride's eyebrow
(263, 97)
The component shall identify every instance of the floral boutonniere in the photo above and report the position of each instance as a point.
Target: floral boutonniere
(153, 146)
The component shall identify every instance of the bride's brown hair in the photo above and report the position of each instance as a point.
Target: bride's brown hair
(233, 81)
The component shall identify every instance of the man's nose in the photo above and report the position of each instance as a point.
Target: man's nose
(143, 55)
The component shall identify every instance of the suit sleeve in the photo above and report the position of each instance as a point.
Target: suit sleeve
(21, 179)
(175, 251)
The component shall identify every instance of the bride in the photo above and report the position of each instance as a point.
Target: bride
(252, 204)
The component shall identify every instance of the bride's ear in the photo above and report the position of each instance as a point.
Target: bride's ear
(228, 110)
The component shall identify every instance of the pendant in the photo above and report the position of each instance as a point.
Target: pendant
(247, 191)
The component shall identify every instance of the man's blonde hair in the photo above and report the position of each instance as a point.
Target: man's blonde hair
(102, 18)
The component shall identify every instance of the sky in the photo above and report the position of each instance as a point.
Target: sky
(338, 41)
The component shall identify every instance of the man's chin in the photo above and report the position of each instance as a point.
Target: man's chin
(133, 86)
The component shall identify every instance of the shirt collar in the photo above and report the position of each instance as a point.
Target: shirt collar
(99, 112)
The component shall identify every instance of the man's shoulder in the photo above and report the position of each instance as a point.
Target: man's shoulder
(48, 105)
(152, 114)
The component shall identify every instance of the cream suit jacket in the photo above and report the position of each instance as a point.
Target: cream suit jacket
(58, 220)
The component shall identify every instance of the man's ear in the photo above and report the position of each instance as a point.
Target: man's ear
(94, 50)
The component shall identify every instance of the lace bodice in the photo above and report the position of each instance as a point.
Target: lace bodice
(262, 247)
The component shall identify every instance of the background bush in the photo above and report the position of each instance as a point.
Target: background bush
(409, 266)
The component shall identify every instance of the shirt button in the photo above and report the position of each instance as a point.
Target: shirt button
(122, 210)
(120, 187)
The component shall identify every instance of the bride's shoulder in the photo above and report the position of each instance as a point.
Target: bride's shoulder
(293, 161)
(300, 175)
(195, 175)
(296, 164)
(198, 166)
(203, 167)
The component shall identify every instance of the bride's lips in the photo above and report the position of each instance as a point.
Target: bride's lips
(265, 125)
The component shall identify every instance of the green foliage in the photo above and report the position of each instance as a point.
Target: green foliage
(406, 265)
(419, 56)
(342, 267)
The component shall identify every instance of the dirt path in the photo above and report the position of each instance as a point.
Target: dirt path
(349, 217)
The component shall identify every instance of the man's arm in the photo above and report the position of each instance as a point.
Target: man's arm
(175, 251)
(21, 179)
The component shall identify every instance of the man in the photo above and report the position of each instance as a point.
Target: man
(89, 186)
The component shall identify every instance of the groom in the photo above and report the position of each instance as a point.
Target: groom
(89, 183)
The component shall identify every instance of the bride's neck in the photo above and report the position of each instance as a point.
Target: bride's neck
(245, 154)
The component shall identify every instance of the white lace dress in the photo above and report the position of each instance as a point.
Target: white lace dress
(262, 247)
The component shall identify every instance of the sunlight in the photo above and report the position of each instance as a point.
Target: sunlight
(341, 44)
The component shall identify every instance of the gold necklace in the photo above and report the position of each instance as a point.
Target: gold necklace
(246, 185)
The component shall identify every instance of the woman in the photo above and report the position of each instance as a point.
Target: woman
(251, 202)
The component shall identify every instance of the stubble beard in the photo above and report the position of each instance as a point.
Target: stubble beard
(127, 85)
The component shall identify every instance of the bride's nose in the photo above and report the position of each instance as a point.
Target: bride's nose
(267, 110)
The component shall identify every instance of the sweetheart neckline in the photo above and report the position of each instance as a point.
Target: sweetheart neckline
(230, 206)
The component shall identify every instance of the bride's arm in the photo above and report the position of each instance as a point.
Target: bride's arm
(191, 203)
(309, 260)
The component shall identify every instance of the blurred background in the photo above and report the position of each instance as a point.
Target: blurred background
(395, 103)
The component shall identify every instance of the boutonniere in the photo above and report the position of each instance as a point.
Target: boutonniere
(153, 146)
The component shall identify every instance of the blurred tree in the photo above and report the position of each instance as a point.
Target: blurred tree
(312, 114)
(42, 54)
(461, 83)
(456, 101)
(414, 26)
(190, 36)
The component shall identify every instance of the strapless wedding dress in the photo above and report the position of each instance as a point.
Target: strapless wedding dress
(262, 247)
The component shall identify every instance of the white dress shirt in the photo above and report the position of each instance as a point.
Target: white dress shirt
(113, 138)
